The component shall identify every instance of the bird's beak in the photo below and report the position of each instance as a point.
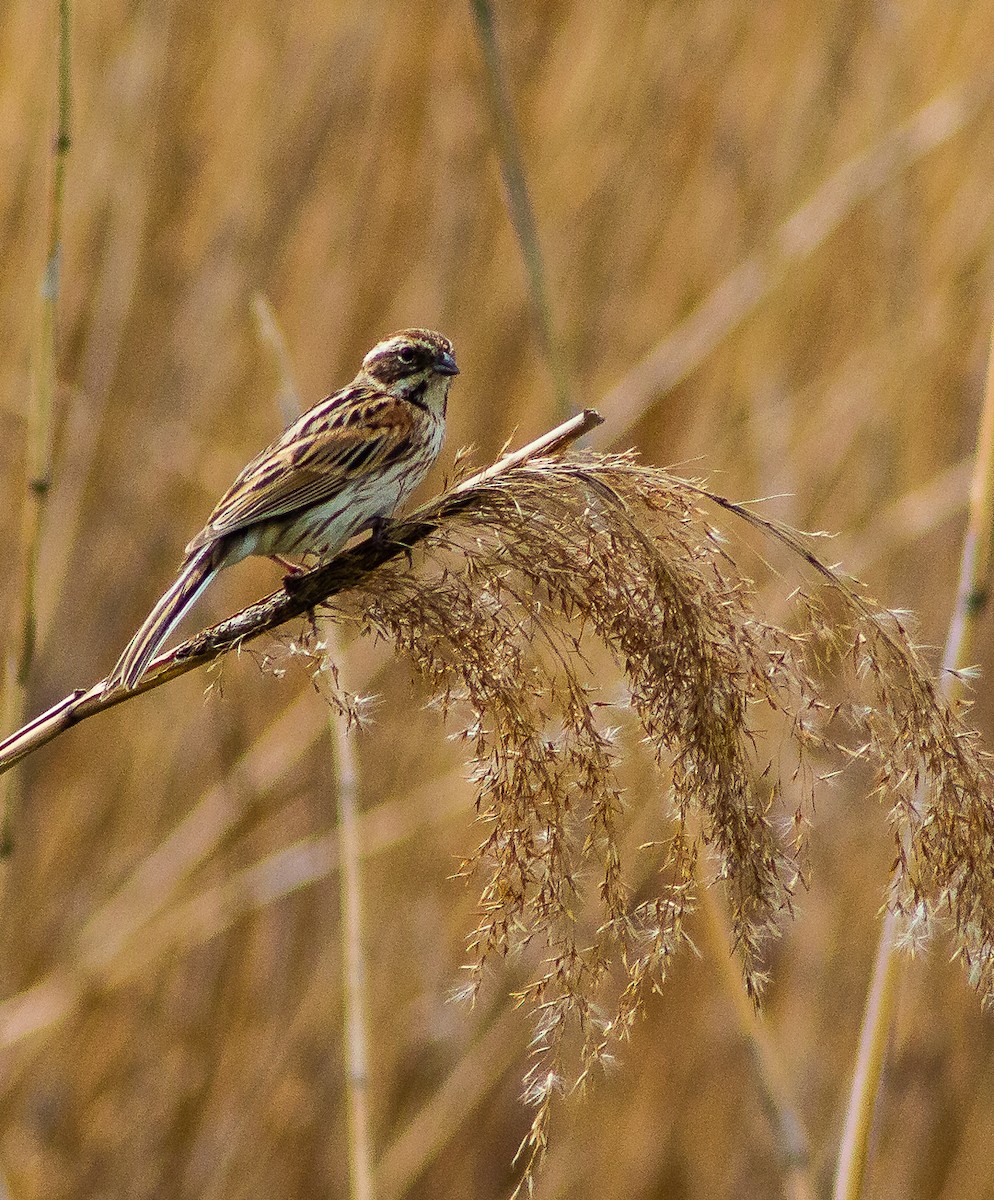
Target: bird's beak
(445, 364)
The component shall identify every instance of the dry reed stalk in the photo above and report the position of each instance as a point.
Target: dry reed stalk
(355, 1032)
(972, 600)
(520, 209)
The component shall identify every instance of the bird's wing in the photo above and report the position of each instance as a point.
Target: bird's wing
(353, 433)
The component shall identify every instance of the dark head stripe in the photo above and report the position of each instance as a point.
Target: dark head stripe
(384, 362)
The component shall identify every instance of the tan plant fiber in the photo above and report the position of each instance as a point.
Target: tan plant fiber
(538, 566)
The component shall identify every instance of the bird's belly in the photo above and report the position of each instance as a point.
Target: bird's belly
(323, 529)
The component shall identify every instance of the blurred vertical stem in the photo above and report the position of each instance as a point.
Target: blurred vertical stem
(791, 1137)
(41, 403)
(355, 1034)
(518, 200)
(972, 597)
(271, 336)
(355, 1037)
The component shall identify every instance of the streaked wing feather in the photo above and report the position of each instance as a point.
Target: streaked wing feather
(357, 432)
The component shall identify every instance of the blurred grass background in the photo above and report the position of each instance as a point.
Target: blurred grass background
(172, 1017)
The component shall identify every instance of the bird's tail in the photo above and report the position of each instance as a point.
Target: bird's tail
(197, 572)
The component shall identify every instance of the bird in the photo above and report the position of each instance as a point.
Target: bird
(341, 468)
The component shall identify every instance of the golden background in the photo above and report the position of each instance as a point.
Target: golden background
(768, 232)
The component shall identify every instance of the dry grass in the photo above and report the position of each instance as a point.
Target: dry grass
(169, 941)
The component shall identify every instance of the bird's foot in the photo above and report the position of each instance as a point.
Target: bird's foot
(378, 527)
(379, 535)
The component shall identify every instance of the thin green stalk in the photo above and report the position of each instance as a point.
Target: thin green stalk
(41, 404)
(42, 400)
(972, 598)
(874, 1036)
(519, 203)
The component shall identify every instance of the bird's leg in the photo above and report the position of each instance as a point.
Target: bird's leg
(293, 573)
(287, 566)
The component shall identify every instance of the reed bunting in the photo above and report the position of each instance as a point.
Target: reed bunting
(342, 467)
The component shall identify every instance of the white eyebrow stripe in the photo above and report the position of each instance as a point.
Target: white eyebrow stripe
(386, 350)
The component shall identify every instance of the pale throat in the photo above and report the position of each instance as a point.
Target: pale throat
(427, 392)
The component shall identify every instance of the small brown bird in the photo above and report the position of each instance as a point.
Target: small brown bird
(343, 467)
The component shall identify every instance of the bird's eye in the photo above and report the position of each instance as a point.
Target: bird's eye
(407, 355)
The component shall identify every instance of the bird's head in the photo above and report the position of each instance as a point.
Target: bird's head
(410, 362)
